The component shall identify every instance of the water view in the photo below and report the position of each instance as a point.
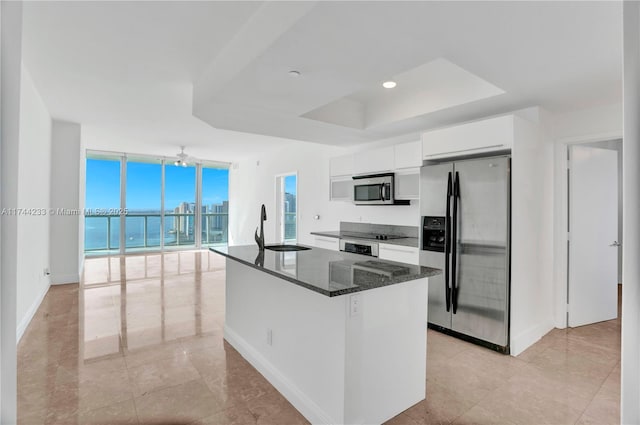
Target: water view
(144, 196)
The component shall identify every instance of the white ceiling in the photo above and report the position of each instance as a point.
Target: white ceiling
(150, 76)
(430, 87)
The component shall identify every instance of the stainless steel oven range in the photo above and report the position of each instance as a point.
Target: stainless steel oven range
(359, 247)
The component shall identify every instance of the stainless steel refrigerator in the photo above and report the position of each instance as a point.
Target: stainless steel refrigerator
(465, 209)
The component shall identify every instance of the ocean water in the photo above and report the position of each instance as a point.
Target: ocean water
(97, 229)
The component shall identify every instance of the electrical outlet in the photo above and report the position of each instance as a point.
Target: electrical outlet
(355, 307)
(269, 337)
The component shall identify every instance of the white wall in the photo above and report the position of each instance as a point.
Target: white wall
(404, 215)
(600, 122)
(34, 170)
(82, 164)
(65, 177)
(630, 395)
(252, 184)
(531, 233)
(587, 125)
(11, 48)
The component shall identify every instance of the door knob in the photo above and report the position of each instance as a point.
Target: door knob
(615, 243)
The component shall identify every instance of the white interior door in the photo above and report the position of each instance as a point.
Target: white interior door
(593, 230)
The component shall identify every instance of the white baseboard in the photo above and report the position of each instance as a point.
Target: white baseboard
(525, 339)
(81, 268)
(307, 407)
(22, 326)
(63, 279)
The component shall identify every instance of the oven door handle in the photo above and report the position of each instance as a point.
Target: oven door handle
(381, 187)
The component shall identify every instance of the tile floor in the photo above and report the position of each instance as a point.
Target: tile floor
(140, 342)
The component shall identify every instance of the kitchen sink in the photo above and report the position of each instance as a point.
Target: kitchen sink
(281, 247)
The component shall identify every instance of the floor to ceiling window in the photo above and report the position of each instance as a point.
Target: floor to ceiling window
(215, 205)
(179, 205)
(102, 204)
(143, 203)
(161, 206)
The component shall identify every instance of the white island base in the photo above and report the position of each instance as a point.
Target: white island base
(351, 359)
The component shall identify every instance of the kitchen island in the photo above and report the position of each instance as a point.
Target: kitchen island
(342, 336)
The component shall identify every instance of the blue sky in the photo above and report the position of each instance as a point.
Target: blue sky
(290, 184)
(144, 185)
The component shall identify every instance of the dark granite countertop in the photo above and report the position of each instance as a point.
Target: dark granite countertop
(408, 241)
(327, 272)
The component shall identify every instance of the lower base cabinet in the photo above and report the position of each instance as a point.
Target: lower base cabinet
(402, 254)
(327, 243)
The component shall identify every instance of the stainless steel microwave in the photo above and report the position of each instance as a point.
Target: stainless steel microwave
(374, 189)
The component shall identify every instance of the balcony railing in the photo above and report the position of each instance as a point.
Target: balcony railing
(102, 232)
(290, 226)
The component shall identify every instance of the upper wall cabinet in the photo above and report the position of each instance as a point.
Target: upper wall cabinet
(408, 155)
(341, 165)
(374, 161)
(489, 135)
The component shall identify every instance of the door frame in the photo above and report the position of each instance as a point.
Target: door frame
(586, 308)
(561, 218)
(280, 178)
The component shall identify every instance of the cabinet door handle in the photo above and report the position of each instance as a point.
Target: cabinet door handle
(408, 251)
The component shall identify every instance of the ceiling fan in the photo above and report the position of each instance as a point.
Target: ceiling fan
(182, 159)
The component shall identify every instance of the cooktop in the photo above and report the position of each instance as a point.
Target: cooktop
(378, 236)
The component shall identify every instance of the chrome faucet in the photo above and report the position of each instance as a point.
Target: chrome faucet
(263, 218)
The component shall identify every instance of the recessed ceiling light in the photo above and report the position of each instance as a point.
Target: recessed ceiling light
(389, 84)
(294, 73)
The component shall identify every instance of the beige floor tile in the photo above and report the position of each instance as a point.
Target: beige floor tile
(574, 365)
(402, 419)
(479, 415)
(442, 405)
(601, 411)
(31, 417)
(213, 341)
(520, 405)
(287, 416)
(465, 381)
(152, 353)
(115, 414)
(267, 405)
(238, 415)
(140, 340)
(184, 403)
(162, 373)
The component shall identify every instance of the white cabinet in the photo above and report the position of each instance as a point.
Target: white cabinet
(374, 161)
(341, 165)
(402, 254)
(407, 184)
(327, 243)
(488, 135)
(408, 155)
(341, 188)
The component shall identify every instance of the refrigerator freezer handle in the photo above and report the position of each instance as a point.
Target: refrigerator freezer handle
(454, 242)
(447, 245)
